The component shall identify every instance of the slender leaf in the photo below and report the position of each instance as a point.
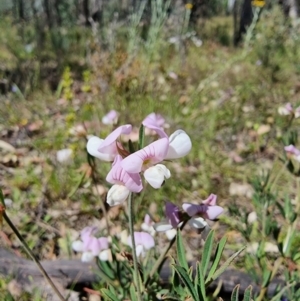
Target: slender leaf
(248, 293)
(207, 249)
(2, 197)
(235, 293)
(169, 297)
(106, 269)
(227, 263)
(282, 291)
(133, 293)
(141, 137)
(108, 295)
(266, 277)
(131, 146)
(112, 290)
(187, 281)
(217, 258)
(176, 279)
(181, 251)
(200, 282)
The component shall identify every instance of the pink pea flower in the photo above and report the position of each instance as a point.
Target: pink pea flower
(292, 151)
(207, 209)
(110, 118)
(143, 242)
(124, 183)
(106, 149)
(90, 246)
(146, 157)
(145, 160)
(155, 122)
(289, 110)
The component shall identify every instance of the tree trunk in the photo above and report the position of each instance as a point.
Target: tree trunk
(245, 21)
(86, 12)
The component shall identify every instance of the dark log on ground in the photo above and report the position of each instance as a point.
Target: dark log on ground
(76, 274)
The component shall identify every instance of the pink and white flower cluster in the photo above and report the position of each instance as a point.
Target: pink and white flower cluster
(293, 152)
(90, 246)
(196, 214)
(289, 110)
(125, 174)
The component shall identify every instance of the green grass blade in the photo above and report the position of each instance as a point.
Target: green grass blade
(181, 251)
(207, 249)
(227, 263)
(217, 258)
(248, 294)
(235, 293)
(187, 281)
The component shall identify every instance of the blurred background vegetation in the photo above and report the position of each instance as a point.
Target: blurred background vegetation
(217, 69)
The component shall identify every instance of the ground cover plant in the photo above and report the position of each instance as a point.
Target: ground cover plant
(231, 165)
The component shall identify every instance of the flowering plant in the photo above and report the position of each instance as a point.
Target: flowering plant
(134, 167)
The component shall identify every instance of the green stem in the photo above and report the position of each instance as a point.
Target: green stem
(162, 256)
(135, 260)
(29, 252)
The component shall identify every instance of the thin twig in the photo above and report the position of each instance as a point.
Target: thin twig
(135, 260)
(29, 252)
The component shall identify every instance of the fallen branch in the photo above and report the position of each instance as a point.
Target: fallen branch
(77, 275)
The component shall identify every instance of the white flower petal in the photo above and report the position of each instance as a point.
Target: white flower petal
(156, 175)
(87, 257)
(180, 145)
(283, 111)
(105, 255)
(117, 195)
(162, 226)
(139, 249)
(197, 222)
(77, 246)
(171, 234)
(64, 156)
(92, 147)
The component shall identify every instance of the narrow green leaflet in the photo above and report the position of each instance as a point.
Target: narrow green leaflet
(235, 293)
(176, 279)
(227, 263)
(105, 269)
(187, 281)
(181, 251)
(217, 258)
(2, 197)
(133, 294)
(108, 295)
(207, 249)
(131, 146)
(141, 137)
(248, 293)
(199, 281)
(266, 277)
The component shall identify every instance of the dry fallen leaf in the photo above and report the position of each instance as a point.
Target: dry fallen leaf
(6, 146)
(263, 129)
(241, 190)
